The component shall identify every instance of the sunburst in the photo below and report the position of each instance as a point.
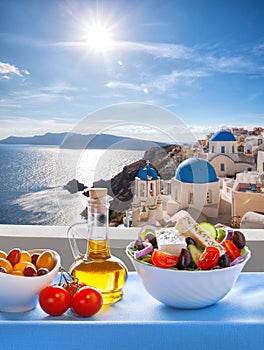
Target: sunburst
(99, 37)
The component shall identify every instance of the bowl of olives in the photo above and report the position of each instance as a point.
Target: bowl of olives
(192, 278)
(23, 274)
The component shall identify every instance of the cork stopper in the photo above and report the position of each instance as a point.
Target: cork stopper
(98, 192)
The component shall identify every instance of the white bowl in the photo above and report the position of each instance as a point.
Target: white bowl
(187, 289)
(20, 293)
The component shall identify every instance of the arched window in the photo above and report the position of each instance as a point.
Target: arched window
(151, 192)
(190, 197)
(142, 190)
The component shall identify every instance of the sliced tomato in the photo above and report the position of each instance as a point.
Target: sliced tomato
(209, 258)
(231, 249)
(162, 259)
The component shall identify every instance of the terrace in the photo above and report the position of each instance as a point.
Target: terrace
(250, 188)
(55, 237)
(240, 315)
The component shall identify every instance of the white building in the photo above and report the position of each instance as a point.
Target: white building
(224, 156)
(260, 162)
(246, 195)
(194, 188)
(252, 143)
(146, 204)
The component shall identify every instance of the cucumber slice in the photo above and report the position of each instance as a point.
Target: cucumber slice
(209, 228)
(221, 234)
(195, 252)
(145, 230)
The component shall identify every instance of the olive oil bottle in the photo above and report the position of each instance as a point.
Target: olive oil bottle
(97, 267)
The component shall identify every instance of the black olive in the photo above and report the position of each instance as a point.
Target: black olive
(189, 241)
(151, 239)
(185, 259)
(239, 239)
(139, 245)
(224, 260)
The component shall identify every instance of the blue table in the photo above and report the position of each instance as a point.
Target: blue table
(140, 322)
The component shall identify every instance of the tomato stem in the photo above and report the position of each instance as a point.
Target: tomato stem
(68, 278)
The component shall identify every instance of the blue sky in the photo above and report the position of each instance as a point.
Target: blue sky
(200, 60)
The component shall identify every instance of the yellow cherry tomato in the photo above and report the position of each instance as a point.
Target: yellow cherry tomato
(22, 265)
(46, 259)
(3, 254)
(25, 256)
(6, 264)
(17, 273)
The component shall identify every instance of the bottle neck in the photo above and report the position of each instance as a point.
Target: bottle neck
(98, 249)
(97, 218)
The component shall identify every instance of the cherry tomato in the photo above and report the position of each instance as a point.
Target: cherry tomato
(231, 249)
(25, 256)
(162, 259)
(22, 265)
(6, 264)
(34, 258)
(3, 254)
(42, 271)
(30, 271)
(209, 258)
(87, 301)
(17, 273)
(46, 259)
(14, 255)
(54, 300)
(73, 287)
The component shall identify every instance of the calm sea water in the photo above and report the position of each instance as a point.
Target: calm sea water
(32, 180)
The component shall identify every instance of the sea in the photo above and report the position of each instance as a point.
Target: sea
(33, 179)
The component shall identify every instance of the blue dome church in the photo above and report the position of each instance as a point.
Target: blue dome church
(196, 170)
(195, 186)
(223, 155)
(147, 199)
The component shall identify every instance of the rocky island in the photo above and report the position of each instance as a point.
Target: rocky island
(163, 159)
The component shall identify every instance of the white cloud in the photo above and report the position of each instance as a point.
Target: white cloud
(30, 127)
(204, 56)
(232, 64)
(6, 68)
(58, 88)
(161, 83)
(162, 50)
(123, 85)
(46, 94)
(167, 81)
(200, 131)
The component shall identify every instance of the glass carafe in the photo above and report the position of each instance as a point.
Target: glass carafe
(97, 267)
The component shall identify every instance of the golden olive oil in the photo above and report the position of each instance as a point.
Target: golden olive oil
(101, 270)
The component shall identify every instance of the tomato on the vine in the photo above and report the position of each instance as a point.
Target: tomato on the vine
(162, 259)
(209, 258)
(73, 287)
(54, 300)
(87, 301)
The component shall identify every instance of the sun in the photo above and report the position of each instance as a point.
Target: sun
(99, 37)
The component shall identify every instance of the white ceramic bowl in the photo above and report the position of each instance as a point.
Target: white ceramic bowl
(19, 293)
(187, 289)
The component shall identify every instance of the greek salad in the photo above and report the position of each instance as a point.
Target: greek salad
(169, 248)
